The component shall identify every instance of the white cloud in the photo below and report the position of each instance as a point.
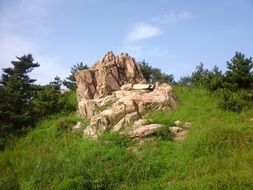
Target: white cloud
(148, 29)
(153, 27)
(142, 31)
(172, 17)
(142, 52)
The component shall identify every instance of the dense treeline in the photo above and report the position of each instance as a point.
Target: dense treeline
(234, 88)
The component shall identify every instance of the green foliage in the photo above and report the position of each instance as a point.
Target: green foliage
(152, 74)
(215, 80)
(239, 73)
(47, 101)
(231, 101)
(56, 84)
(185, 81)
(68, 101)
(232, 89)
(65, 125)
(164, 133)
(116, 138)
(77, 183)
(16, 90)
(200, 75)
(70, 81)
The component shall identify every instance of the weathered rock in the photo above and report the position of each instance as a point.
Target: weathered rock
(178, 123)
(127, 87)
(90, 132)
(113, 95)
(185, 125)
(143, 131)
(176, 130)
(107, 75)
(142, 86)
(128, 119)
(140, 123)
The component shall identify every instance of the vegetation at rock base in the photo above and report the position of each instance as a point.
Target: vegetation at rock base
(217, 152)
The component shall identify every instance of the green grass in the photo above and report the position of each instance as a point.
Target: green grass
(217, 153)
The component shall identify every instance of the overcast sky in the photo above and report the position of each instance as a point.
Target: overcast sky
(173, 35)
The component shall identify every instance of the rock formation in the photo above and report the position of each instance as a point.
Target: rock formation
(114, 95)
(107, 75)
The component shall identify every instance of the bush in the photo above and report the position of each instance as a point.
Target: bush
(215, 82)
(68, 101)
(231, 101)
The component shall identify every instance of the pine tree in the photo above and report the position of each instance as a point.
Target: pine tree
(17, 90)
(152, 74)
(239, 73)
(56, 83)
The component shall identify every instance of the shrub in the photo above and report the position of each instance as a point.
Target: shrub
(231, 101)
(215, 82)
(68, 101)
(239, 72)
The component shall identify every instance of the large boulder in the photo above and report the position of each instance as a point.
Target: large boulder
(113, 94)
(107, 75)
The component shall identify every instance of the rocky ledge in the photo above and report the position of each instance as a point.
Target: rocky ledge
(114, 96)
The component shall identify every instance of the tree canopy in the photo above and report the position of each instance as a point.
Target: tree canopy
(153, 74)
(17, 90)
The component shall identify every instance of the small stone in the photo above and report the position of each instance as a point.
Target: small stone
(187, 125)
(176, 130)
(126, 87)
(143, 131)
(78, 126)
(178, 123)
(141, 86)
(139, 123)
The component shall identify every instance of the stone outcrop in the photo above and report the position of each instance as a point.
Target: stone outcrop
(114, 96)
(107, 75)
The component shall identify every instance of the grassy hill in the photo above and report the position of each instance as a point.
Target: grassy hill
(217, 153)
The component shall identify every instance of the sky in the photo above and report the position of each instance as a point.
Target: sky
(173, 35)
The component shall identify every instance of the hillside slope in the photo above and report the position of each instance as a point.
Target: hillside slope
(217, 153)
